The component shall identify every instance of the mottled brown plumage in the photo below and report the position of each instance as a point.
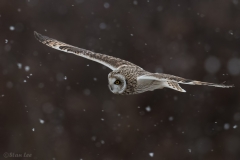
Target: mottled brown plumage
(126, 77)
(130, 72)
(108, 60)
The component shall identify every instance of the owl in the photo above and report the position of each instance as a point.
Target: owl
(126, 78)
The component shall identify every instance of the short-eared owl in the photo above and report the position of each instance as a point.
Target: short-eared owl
(126, 78)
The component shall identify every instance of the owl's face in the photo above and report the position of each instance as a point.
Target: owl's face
(116, 83)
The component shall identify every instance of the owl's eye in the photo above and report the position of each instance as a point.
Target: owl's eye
(117, 82)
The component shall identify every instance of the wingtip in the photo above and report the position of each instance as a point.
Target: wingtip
(39, 37)
(36, 34)
(228, 86)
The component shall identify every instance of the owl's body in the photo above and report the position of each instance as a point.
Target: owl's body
(126, 77)
(130, 72)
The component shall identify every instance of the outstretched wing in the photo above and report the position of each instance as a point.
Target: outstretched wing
(171, 81)
(109, 61)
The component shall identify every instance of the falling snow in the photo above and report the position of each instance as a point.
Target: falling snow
(102, 25)
(87, 92)
(41, 121)
(27, 68)
(235, 2)
(148, 109)
(151, 154)
(12, 28)
(226, 126)
(234, 66)
(212, 64)
(106, 5)
(170, 118)
(94, 138)
(19, 65)
(9, 84)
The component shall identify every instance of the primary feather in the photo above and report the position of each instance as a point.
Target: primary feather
(109, 61)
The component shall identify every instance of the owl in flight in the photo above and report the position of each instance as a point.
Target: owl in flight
(126, 78)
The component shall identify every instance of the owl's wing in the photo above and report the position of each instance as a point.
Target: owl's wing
(171, 81)
(109, 61)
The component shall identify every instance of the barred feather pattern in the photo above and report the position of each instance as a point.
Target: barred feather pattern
(109, 61)
(130, 78)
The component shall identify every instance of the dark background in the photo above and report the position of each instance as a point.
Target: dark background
(57, 106)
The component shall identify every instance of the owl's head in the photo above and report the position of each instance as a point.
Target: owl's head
(116, 83)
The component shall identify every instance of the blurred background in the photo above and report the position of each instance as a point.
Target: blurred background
(57, 106)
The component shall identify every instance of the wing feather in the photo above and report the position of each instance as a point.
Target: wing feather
(174, 79)
(173, 85)
(109, 61)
